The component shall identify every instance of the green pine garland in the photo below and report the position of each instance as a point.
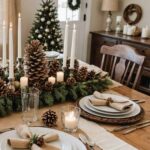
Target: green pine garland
(46, 27)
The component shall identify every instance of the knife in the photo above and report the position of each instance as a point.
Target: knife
(136, 128)
(130, 126)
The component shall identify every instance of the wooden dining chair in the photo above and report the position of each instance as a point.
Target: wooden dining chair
(124, 64)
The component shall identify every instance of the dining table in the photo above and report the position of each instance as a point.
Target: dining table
(139, 138)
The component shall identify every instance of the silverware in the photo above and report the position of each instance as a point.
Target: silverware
(130, 126)
(5, 130)
(136, 128)
(88, 141)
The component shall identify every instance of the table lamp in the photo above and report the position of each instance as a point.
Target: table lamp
(109, 6)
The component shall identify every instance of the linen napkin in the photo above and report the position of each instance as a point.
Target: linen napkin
(24, 132)
(100, 99)
(50, 138)
(19, 143)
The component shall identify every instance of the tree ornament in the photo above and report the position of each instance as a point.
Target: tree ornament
(39, 36)
(49, 118)
(46, 30)
(43, 19)
(71, 81)
(49, 36)
(91, 75)
(54, 68)
(41, 27)
(82, 74)
(46, 8)
(74, 4)
(52, 42)
(36, 62)
(50, 14)
(36, 31)
(58, 40)
(48, 22)
(40, 13)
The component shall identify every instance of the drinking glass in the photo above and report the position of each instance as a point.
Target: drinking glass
(30, 104)
(70, 118)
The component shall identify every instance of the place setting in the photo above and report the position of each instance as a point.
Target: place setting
(110, 108)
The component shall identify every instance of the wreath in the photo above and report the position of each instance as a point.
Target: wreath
(74, 7)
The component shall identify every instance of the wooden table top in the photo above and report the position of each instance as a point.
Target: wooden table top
(140, 138)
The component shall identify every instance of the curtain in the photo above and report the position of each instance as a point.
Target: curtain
(11, 8)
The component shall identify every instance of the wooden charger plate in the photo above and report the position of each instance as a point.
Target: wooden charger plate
(121, 121)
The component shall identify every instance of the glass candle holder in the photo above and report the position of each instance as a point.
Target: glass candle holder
(70, 118)
(30, 104)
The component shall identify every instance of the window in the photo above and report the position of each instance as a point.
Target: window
(65, 13)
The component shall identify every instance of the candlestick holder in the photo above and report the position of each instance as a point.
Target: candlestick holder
(118, 27)
(11, 86)
(20, 65)
(5, 70)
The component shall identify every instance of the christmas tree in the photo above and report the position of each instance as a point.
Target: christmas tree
(46, 27)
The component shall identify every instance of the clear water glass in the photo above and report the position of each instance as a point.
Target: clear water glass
(30, 104)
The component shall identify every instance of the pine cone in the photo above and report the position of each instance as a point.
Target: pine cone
(54, 68)
(71, 81)
(48, 86)
(36, 63)
(82, 74)
(40, 141)
(76, 64)
(91, 75)
(3, 88)
(50, 118)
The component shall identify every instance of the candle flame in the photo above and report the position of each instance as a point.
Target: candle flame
(10, 25)
(19, 15)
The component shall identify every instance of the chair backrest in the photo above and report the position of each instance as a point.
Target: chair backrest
(122, 61)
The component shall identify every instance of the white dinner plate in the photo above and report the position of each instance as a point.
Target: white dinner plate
(89, 106)
(117, 98)
(82, 104)
(118, 113)
(66, 141)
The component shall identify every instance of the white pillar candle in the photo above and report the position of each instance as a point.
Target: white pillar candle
(66, 44)
(70, 121)
(4, 61)
(19, 37)
(60, 76)
(118, 18)
(11, 53)
(52, 80)
(125, 29)
(24, 82)
(73, 47)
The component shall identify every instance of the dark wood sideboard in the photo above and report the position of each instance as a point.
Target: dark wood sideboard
(111, 38)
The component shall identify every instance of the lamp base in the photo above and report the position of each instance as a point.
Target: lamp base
(109, 22)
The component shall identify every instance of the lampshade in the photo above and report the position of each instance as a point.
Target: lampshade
(110, 5)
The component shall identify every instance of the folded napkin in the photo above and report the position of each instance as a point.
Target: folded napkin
(50, 138)
(19, 143)
(100, 99)
(23, 131)
(26, 135)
